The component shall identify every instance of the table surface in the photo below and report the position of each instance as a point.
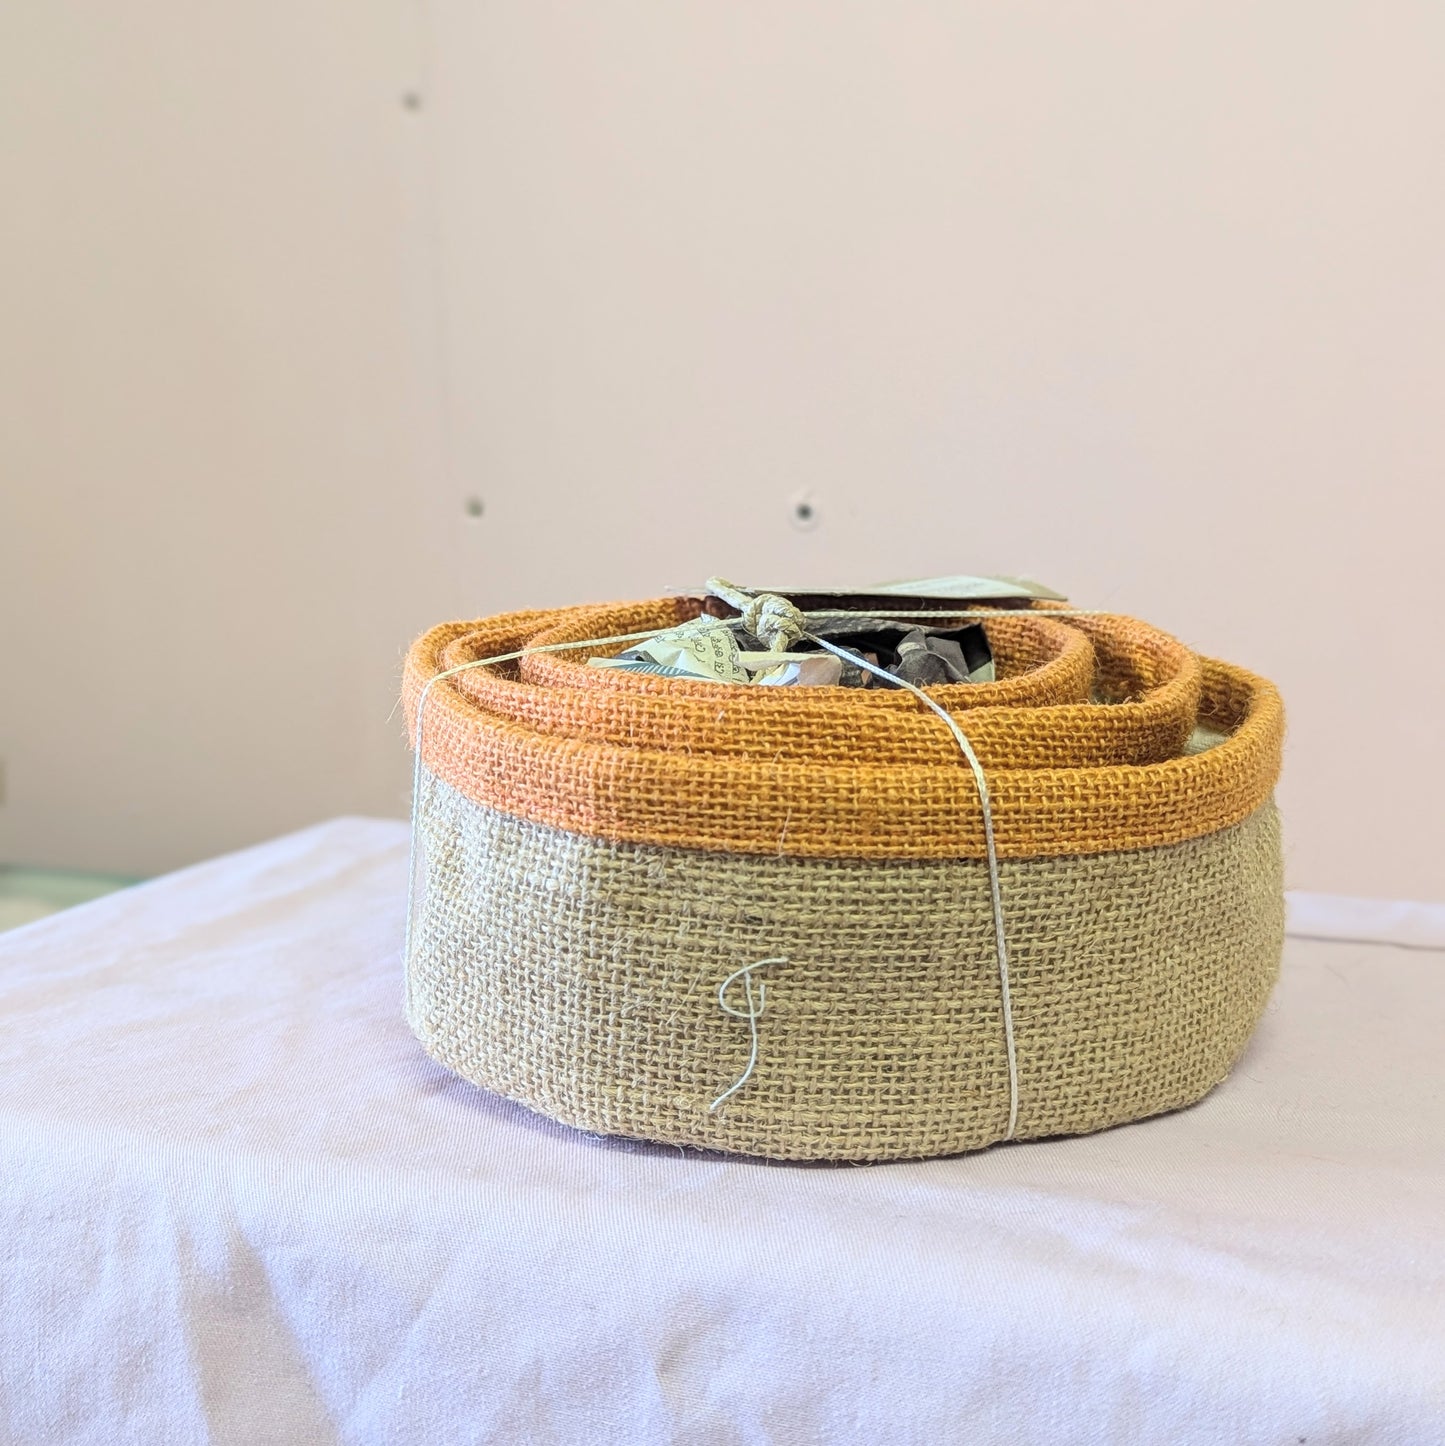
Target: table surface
(238, 1203)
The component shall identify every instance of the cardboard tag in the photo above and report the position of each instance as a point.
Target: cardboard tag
(928, 594)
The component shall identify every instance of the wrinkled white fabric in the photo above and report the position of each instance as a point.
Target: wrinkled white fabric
(238, 1204)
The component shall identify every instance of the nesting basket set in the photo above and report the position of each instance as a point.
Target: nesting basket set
(762, 919)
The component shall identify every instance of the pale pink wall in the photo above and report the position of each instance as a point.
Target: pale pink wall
(1144, 299)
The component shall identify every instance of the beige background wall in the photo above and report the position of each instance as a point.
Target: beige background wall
(1143, 299)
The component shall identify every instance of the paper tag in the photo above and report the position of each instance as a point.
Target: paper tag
(808, 670)
(705, 648)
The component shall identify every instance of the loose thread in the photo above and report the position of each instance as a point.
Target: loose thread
(751, 1014)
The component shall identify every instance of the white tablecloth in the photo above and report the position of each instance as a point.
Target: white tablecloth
(238, 1204)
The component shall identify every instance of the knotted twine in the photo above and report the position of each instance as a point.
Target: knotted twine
(778, 624)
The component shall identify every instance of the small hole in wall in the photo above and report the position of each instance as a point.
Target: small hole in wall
(411, 100)
(803, 511)
(473, 507)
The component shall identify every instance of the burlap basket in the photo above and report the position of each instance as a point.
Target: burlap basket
(599, 851)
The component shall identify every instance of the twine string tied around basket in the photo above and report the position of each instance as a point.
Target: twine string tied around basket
(772, 620)
(784, 620)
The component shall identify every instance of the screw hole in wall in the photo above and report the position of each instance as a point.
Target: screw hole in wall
(803, 511)
(473, 507)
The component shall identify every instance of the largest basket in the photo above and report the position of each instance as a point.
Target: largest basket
(600, 851)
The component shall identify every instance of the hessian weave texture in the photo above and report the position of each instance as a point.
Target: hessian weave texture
(600, 850)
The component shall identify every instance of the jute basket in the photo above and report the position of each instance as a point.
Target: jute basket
(600, 851)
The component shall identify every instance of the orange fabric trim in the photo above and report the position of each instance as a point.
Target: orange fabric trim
(851, 773)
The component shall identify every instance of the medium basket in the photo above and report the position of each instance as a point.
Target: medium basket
(600, 851)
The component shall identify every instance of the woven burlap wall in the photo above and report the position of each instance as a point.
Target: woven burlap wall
(580, 976)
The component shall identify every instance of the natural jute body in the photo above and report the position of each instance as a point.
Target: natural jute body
(574, 922)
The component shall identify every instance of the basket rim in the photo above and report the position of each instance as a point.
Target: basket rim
(849, 802)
